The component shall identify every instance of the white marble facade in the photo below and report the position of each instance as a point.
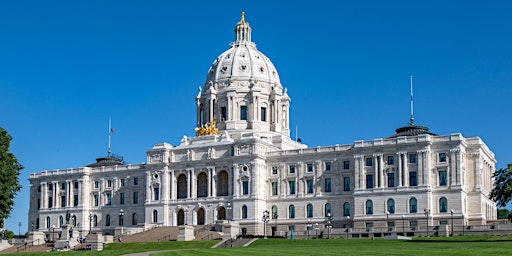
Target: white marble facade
(252, 165)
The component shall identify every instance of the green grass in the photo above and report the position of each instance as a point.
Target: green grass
(441, 246)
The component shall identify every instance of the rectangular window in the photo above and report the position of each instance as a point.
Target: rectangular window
(346, 165)
(391, 180)
(292, 187)
(243, 112)
(292, 168)
(328, 185)
(369, 181)
(96, 184)
(413, 158)
(413, 180)
(76, 185)
(63, 186)
(135, 197)
(369, 161)
(38, 188)
(327, 166)
(413, 224)
(310, 186)
(50, 202)
(109, 183)
(224, 113)
(121, 198)
(442, 157)
(274, 170)
(391, 160)
(50, 186)
(109, 199)
(135, 181)
(245, 187)
(346, 183)
(156, 194)
(39, 203)
(63, 201)
(96, 200)
(75, 200)
(263, 114)
(274, 188)
(309, 167)
(442, 178)
(122, 182)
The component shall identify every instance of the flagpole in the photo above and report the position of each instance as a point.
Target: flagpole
(109, 133)
(412, 106)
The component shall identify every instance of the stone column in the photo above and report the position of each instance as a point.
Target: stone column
(478, 170)
(358, 173)
(405, 167)
(148, 187)
(376, 170)
(44, 196)
(165, 185)
(235, 181)
(173, 186)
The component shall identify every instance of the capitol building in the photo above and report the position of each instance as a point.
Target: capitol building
(242, 164)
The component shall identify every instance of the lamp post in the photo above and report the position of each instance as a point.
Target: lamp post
(90, 222)
(316, 230)
(387, 222)
(19, 229)
(121, 220)
(329, 220)
(427, 214)
(80, 235)
(53, 233)
(308, 227)
(265, 220)
(451, 216)
(228, 208)
(348, 225)
(403, 225)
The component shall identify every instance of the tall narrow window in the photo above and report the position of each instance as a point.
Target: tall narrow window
(327, 209)
(413, 205)
(369, 161)
(327, 166)
(442, 157)
(224, 113)
(328, 185)
(310, 167)
(96, 200)
(346, 209)
(369, 181)
(391, 206)
(274, 212)
(107, 220)
(412, 158)
(391, 180)
(442, 178)
(292, 187)
(134, 219)
(245, 187)
(391, 160)
(292, 168)
(346, 165)
(50, 201)
(263, 114)
(310, 186)
(156, 194)
(291, 211)
(109, 199)
(135, 197)
(309, 210)
(346, 183)
(121, 198)
(443, 204)
(369, 207)
(75, 200)
(243, 112)
(155, 216)
(244, 212)
(413, 180)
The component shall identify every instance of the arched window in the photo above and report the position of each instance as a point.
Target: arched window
(202, 185)
(134, 219)
(346, 209)
(95, 221)
(274, 212)
(413, 205)
(391, 206)
(48, 222)
(327, 209)
(309, 210)
(222, 183)
(107, 220)
(443, 204)
(61, 221)
(182, 186)
(73, 218)
(244, 212)
(369, 207)
(155, 216)
(291, 211)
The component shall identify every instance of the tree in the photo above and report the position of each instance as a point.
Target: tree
(9, 173)
(503, 214)
(502, 191)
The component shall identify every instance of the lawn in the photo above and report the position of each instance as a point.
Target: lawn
(468, 245)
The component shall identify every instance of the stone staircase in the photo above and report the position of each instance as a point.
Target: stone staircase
(28, 248)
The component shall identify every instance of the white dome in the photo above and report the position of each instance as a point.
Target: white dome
(242, 61)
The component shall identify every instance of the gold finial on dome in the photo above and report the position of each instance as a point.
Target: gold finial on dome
(242, 19)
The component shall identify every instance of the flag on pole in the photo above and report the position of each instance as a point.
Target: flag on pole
(112, 130)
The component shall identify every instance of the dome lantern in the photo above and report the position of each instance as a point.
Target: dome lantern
(242, 31)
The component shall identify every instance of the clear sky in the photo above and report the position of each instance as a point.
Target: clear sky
(67, 66)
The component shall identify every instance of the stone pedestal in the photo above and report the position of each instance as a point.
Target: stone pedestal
(94, 242)
(65, 234)
(4, 244)
(37, 237)
(230, 230)
(186, 233)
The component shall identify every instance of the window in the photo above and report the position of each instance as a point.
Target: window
(292, 168)
(413, 180)
(274, 170)
(75, 185)
(135, 181)
(292, 187)
(274, 212)
(75, 200)
(48, 222)
(109, 198)
(310, 186)
(369, 207)
(442, 178)
(109, 183)
(327, 184)
(107, 220)
(245, 187)
(155, 216)
(63, 186)
(413, 158)
(37, 223)
(346, 183)
(369, 161)
(346, 165)
(121, 198)
(443, 222)
(135, 197)
(50, 186)
(391, 180)
(391, 206)
(38, 188)
(244, 212)
(346, 209)
(368, 225)
(327, 166)
(61, 221)
(95, 221)
(39, 203)
(122, 182)
(243, 112)
(274, 188)
(442, 157)
(327, 209)
(310, 167)
(263, 114)
(413, 205)
(369, 181)
(391, 160)
(50, 202)
(443, 204)
(413, 224)
(156, 194)
(134, 219)
(62, 201)
(96, 199)
(291, 211)
(96, 184)
(309, 211)
(224, 113)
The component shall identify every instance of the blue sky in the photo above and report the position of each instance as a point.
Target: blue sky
(67, 66)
